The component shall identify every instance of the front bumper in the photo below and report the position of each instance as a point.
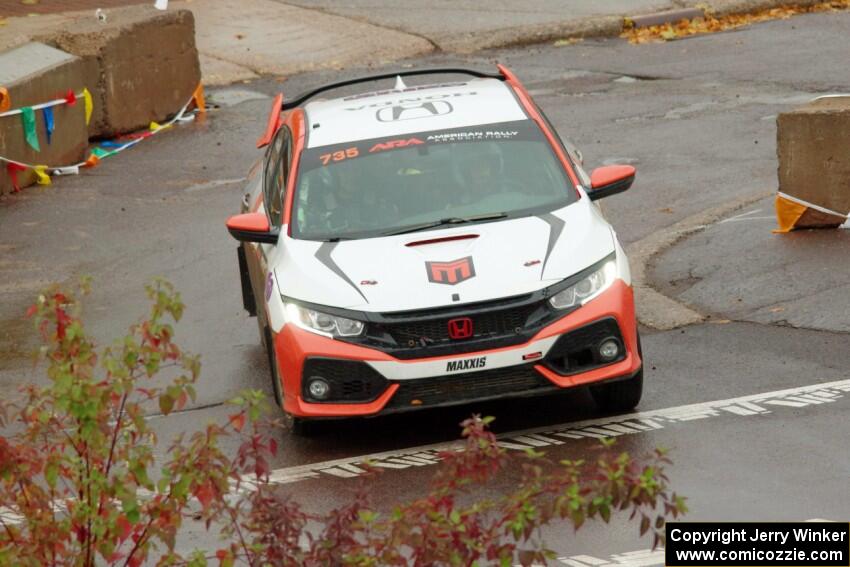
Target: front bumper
(372, 382)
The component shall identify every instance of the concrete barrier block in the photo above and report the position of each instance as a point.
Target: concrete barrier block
(147, 61)
(813, 146)
(34, 73)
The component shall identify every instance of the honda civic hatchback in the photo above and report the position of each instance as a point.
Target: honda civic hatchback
(432, 245)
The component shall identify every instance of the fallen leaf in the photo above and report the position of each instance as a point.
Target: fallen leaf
(711, 24)
(29, 2)
(568, 41)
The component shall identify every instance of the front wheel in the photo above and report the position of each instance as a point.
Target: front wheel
(277, 388)
(300, 427)
(619, 396)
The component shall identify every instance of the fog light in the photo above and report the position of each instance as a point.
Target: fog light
(609, 349)
(318, 388)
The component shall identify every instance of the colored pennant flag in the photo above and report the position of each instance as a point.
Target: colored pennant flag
(41, 176)
(99, 152)
(68, 170)
(89, 105)
(70, 98)
(28, 120)
(198, 97)
(92, 161)
(12, 169)
(47, 113)
(112, 144)
(5, 100)
(155, 127)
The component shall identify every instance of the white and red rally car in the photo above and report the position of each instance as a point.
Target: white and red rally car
(432, 245)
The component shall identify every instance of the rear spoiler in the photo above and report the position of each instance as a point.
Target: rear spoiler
(278, 104)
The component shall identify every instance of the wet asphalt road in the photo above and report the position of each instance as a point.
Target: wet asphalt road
(696, 117)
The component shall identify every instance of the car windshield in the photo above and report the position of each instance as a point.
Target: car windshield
(425, 180)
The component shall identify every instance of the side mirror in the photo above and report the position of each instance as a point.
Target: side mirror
(610, 180)
(252, 227)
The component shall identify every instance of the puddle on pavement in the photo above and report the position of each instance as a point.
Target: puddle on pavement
(232, 97)
(212, 184)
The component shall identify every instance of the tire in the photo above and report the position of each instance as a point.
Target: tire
(304, 427)
(300, 427)
(619, 396)
(276, 387)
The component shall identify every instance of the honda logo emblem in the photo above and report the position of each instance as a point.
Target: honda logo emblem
(460, 328)
(413, 111)
(450, 273)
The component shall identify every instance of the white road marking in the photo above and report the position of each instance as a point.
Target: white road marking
(612, 426)
(639, 422)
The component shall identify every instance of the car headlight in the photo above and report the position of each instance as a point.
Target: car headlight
(322, 323)
(587, 288)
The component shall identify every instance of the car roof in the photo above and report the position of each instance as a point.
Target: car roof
(421, 108)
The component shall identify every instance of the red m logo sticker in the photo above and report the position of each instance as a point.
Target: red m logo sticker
(450, 273)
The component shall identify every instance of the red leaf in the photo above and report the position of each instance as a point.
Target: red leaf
(205, 494)
(273, 447)
(31, 311)
(182, 399)
(124, 528)
(237, 420)
(62, 320)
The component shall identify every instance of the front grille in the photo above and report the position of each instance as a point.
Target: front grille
(484, 325)
(576, 351)
(350, 380)
(495, 324)
(459, 388)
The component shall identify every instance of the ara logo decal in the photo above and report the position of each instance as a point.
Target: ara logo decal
(460, 328)
(468, 364)
(414, 111)
(450, 273)
(392, 144)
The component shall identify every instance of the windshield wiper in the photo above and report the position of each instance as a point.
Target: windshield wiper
(446, 222)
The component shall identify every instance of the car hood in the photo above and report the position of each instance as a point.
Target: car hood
(436, 268)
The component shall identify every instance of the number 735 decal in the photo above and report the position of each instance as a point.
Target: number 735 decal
(341, 155)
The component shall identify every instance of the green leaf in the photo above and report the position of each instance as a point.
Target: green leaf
(166, 404)
(51, 474)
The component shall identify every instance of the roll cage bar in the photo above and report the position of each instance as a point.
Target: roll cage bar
(279, 105)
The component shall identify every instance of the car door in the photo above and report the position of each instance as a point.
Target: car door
(275, 173)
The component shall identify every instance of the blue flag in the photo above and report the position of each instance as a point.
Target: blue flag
(47, 113)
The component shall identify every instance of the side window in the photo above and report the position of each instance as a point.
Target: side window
(572, 153)
(276, 174)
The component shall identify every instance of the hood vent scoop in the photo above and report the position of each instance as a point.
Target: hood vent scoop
(441, 239)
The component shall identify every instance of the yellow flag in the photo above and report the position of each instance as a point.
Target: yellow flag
(41, 175)
(788, 213)
(155, 126)
(89, 105)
